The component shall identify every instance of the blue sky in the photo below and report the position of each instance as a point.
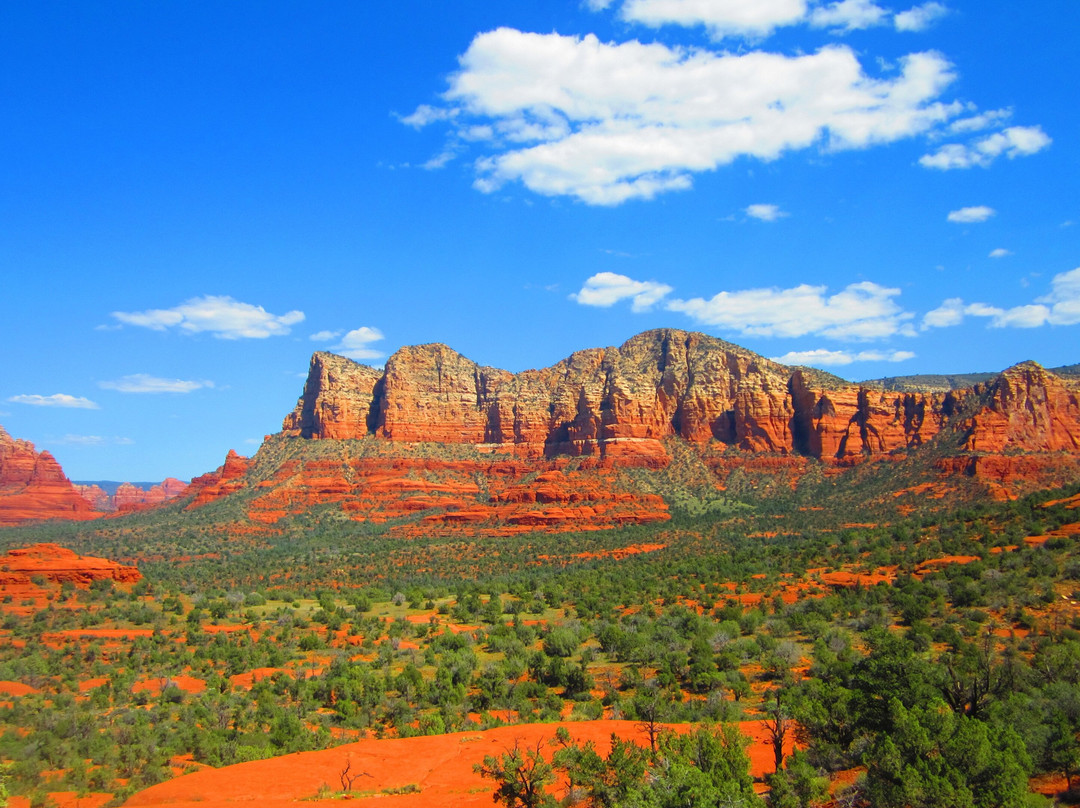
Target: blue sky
(195, 196)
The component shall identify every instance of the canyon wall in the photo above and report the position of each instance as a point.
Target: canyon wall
(616, 403)
(33, 486)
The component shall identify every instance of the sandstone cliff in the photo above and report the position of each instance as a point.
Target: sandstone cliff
(59, 565)
(130, 497)
(1024, 433)
(615, 403)
(435, 443)
(226, 479)
(33, 486)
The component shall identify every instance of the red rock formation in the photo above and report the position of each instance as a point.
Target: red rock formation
(224, 480)
(33, 486)
(558, 437)
(97, 496)
(446, 499)
(1024, 435)
(337, 401)
(130, 497)
(617, 403)
(1027, 409)
(58, 564)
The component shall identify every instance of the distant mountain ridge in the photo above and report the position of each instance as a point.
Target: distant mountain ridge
(933, 382)
(438, 444)
(435, 443)
(33, 487)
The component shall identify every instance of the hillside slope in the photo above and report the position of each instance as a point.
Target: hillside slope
(436, 444)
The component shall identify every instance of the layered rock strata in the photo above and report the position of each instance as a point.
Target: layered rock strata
(615, 403)
(130, 497)
(34, 487)
(59, 565)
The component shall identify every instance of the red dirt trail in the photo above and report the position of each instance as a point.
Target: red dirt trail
(440, 765)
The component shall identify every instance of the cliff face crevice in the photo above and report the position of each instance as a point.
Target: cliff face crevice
(622, 404)
(615, 402)
(545, 449)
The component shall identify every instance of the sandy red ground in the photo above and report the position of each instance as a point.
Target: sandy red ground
(440, 765)
(189, 684)
(16, 689)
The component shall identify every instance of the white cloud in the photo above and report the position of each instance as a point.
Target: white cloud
(919, 18)
(604, 289)
(862, 311)
(222, 316)
(766, 213)
(1029, 316)
(949, 313)
(821, 357)
(55, 400)
(849, 15)
(324, 336)
(1016, 141)
(604, 122)
(89, 441)
(143, 383)
(722, 18)
(1064, 298)
(425, 114)
(355, 344)
(755, 19)
(1060, 307)
(984, 120)
(1000, 252)
(971, 215)
(440, 160)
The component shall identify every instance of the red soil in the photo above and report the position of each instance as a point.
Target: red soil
(440, 765)
(60, 637)
(1071, 503)
(934, 564)
(619, 552)
(58, 564)
(841, 579)
(223, 629)
(17, 689)
(188, 684)
(249, 678)
(378, 489)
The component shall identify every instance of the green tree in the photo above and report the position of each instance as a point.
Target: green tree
(935, 758)
(708, 767)
(520, 776)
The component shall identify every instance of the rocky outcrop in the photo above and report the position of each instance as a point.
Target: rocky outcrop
(1026, 409)
(34, 487)
(224, 480)
(59, 565)
(338, 400)
(431, 496)
(436, 444)
(1024, 434)
(129, 497)
(615, 403)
